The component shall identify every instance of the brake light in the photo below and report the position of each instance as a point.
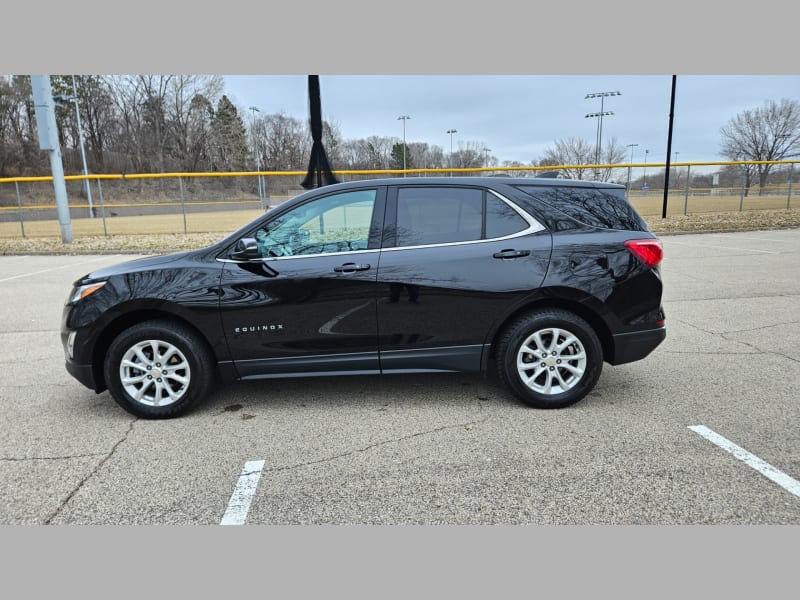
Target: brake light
(650, 252)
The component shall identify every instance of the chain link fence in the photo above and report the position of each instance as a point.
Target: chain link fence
(175, 203)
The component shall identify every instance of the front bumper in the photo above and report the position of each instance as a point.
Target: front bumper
(629, 347)
(83, 373)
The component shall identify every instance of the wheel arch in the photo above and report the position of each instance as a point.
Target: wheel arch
(581, 309)
(129, 319)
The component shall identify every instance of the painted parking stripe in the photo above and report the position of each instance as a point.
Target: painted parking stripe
(77, 264)
(767, 470)
(716, 247)
(239, 504)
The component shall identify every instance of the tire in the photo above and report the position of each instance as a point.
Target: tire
(570, 369)
(142, 383)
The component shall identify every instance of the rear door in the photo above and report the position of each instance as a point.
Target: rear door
(454, 259)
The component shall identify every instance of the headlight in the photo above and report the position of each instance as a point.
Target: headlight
(82, 291)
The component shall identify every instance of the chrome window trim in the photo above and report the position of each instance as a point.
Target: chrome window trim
(533, 227)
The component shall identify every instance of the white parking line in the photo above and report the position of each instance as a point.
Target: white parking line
(239, 504)
(714, 246)
(85, 262)
(767, 470)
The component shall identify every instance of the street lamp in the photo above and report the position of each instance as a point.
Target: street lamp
(74, 98)
(628, 187)
(451, 132)
(254, 110)
(599, 115)
(404, 118)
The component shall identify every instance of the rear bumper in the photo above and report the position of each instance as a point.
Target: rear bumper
(629, 347)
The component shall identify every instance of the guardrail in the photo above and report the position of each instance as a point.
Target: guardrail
(169, 203)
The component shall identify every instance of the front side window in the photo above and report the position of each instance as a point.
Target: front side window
(336, 223)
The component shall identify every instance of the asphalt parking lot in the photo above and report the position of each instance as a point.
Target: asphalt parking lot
(432, 449)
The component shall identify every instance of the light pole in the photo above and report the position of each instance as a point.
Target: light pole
(451, 132)
(628, 187)
(404, 118)
(677, 173)
(74, 98)
(254, 110)
(644, 186)
(487, 150)
(600, 115)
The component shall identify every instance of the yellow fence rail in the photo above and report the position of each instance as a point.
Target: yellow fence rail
(141, 203)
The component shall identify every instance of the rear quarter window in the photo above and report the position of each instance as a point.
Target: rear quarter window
(601, 208)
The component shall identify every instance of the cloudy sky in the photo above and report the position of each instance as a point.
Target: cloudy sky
(518, 116)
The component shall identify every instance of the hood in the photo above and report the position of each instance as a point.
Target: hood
(139, 264)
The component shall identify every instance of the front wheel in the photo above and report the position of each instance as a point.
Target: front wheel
(158, 369)
(549, 358)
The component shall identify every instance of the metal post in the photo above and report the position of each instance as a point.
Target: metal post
(83, 152)
(451, 132)
(630, 166)
(404, 118)
(102, 208)
(183, 203)
(686, 197)
(19, 203)
(48, 140)
(789, 195)
(741, 194)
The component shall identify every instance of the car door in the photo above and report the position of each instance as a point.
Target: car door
(307, 303)
(455, 259)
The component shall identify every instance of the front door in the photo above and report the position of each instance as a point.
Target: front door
(307, 305)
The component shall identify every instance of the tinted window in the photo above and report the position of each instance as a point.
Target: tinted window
(501, 219)
(337, 223)
(438, 215)
(606, 209)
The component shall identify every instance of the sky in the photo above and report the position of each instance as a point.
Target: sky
(518, 116)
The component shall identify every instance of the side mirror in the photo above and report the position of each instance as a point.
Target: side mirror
(245, 249)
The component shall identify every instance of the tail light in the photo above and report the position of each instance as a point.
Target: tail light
(650, 252)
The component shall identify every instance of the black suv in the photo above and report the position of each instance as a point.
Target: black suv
(540, 279)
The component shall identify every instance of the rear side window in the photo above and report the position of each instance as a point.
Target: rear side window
(602, 208)
(438, 215)
(501, 219)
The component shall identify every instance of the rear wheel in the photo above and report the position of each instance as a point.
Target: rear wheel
(549, 358)
(158, 369)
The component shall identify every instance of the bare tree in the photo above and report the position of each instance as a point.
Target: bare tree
(469, 155)
(769, 132)
(571, 152)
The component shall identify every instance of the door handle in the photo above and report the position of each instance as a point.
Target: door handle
(511, 253)
(350, 268)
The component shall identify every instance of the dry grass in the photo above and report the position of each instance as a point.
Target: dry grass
(154, 234)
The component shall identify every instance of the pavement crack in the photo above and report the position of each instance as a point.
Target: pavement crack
(375, 445)
(83, 481)
(760, 328)
(68, 457)
(760, 350)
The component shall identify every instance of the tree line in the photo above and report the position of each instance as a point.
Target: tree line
(186, 123)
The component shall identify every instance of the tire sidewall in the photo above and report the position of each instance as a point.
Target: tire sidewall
(523, 328)
(181, 338)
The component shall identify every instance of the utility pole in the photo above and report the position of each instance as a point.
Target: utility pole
(451, 132)
(44, 106)
(599, 115)
(628, 187)
(404, 118)
(254, 110)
